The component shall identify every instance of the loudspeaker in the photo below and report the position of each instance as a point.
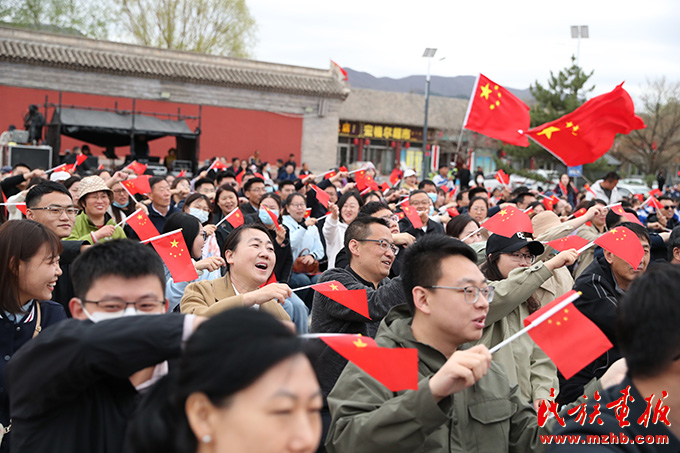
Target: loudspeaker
(33, 156)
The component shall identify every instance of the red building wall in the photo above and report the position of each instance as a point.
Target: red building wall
(225, 132)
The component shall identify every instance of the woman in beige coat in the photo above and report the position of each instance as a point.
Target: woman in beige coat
(250, 258)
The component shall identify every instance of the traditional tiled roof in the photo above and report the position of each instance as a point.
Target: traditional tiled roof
(88, 55)
(403, 109)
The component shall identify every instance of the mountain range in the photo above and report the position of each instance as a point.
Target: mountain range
(456, 87)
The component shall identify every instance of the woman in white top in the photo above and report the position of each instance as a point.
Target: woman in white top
(335, 226)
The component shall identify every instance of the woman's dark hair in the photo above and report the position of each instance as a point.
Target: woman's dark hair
(234, 238)
(290, 199)
(70, 181)
(474, 199)
(346, 196)
(457, 224)
(490, 270)
(21, 240)
(193, 197)
(189, 224)
(100, 172)
(369, 194)
(178, 180)
(225, 355)
(220, 189)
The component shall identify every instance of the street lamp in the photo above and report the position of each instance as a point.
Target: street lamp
(428, 53)
(578, 32)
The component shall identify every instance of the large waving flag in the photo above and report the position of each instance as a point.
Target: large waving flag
(497, 113)
(509, 221)
(584, 135)
(623, 243)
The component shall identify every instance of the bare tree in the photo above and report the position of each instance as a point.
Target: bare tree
(657, 146)
(223, 27)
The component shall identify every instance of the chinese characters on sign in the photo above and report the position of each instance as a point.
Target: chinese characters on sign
(379, 131)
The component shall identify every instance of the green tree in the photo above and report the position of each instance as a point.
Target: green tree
(565, 92)
(79, 17)
(223, 27)
(656, 147)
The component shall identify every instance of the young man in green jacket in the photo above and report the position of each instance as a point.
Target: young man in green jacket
(464, 401)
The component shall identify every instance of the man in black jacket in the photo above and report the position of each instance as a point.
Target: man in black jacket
(75, 386)
(420, 200)
(603, 284)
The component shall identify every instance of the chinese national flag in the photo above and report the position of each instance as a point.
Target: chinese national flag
(567, 243)
(452, 212)
(384, 187)
(509, 221)
(235, 218)
(654, 192)
(395, 368)
(547, 203)
(400, 215)
(623, 243)
(502, 177)
(273, 216)
(80, 159)
(142, 225)
(21, 207)
(321, 196)
(138, 185)
(618, 210)
(654, 203)
(330, 174)
(137, 167)
(580, 212)
(497, 113)
(175, 254)
(395, 176)
(182, 174)
(100, 167)
(217, 165)
(354, 299)
(270, 280)
(361, 180)
(308, 213)
(587, 187)
(413, 216)
(569, 338)
(70, 168)
(584, 135)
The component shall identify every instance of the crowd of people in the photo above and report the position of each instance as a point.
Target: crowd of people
(232, 363)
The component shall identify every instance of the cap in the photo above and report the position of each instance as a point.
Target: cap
(6, 169)
(408, 173)
(498, 243)
(92, 184)
(60, 176)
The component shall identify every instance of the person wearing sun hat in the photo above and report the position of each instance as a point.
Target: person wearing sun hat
(511, 268)
(94, 224)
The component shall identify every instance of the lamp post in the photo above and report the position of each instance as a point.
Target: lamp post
(578, 32)
(428, 53)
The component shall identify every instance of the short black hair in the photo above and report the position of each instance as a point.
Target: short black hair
(202, 181)
(520, 197)
(426, 182)
(595, 201)
(442, 166)
(248, 184)
(372, 207)
(36, 192)
(361, 229)
(612, 176)
(416, 192)
(460, 195)
(21, 164)
(648, 316)
(472, 193)
(286, 182)
(122, 257)
(673, 242)
(665, 197)
(457, 224)
(155, 180)
(424, 259)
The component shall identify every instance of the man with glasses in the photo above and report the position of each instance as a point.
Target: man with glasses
(663, 219)
(464, 402)
(370, 247)
(420, 200)
(50, 203)
(253, 189)
(78, 385)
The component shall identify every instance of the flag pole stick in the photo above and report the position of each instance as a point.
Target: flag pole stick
(473, 233)
(357, 170)
(310, 336)
(585, 247)
(225, 218)
(160, 236)
(126, 218)
(537, 321)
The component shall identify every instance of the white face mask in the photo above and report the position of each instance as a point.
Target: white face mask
(200, 214)
(104, 315)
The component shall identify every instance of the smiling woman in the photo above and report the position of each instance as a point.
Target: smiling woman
(29, 268)
(250, 260)
(95, 224)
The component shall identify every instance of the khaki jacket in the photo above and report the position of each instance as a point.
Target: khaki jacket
(210, 297)
(489, 416)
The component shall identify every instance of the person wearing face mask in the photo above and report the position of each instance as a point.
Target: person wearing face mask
(420, 200)
(198, 205)
(250, 260)
(100, 361)
(335, 226)
(195, 237)
(29, 269)
(305, 243)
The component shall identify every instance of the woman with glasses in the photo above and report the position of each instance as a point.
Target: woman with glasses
(95, 224)
(478, 209)
(195, 237)
(29, 269)
(335, 226)
(511, 268)
(305, 244)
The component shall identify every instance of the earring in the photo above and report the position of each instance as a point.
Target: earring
(206, 439)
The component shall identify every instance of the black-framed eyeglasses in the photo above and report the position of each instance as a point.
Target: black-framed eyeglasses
(470, 293)
(116, 305)
(518, 256)
(384, 245)
(58, 210)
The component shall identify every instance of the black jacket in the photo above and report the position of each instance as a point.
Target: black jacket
(70, 388)
(157, 219)
(433, 227)
(63, 292)
(599, 302)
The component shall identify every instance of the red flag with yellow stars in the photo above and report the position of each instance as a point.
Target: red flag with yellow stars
(580, 212)
(139, 184)
(321, 196)
(509, 221)
(502, 177)
(584, 135)
(330, 174)
(235, 218)
(569, 338)
(497, 113)
(137, 167)
(413, 216)
(618, 210)
(395, 368)
(623, 243)
(175, 254)
(80, 158)
(567, 243)
(142, 225)
(354, 299)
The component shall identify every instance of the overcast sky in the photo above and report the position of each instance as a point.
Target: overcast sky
(512, 42)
